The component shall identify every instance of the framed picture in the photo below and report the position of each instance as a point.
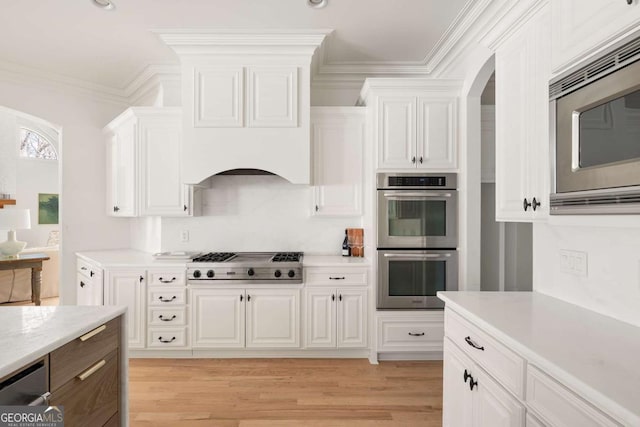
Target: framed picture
(47, 208)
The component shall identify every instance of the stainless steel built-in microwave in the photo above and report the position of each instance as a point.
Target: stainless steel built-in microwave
(595, 133)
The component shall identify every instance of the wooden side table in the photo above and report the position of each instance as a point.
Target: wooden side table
(32, 261)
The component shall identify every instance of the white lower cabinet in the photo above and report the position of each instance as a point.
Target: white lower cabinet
(336, 318)
(235, 318)
(128, 287)
(90, 286)
(472, 397)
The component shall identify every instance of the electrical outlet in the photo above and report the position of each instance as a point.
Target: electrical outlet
(573, 262)
(184, 236)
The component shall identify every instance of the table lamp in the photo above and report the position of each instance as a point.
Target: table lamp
(13, 219)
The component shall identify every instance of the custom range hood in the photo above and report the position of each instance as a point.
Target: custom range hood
(246, 100)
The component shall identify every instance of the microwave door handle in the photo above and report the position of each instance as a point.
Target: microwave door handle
(421, 256)
(424, 195)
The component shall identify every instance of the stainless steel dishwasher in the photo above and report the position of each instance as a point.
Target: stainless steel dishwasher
(28, 386)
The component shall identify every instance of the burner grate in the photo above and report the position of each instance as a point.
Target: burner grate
(287, 257)
(214, 257)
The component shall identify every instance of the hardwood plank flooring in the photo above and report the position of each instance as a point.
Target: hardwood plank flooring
(284, 392)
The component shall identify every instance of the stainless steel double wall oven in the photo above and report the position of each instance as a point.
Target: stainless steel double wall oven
(417, 239)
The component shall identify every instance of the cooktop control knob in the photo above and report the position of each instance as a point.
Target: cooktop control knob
(210, 273)
(250, 272)
(277, 273)
(196, 274)
(291, 273)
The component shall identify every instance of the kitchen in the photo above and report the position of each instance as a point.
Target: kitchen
(357, 117)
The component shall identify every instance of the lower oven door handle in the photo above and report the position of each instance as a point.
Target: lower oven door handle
(422, 256)
(425, 195)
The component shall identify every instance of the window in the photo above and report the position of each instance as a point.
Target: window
(35, 146)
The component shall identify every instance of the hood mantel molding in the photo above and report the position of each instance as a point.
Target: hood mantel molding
(193, 42)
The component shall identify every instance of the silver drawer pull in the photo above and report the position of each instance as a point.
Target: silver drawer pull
(336, 278)
(173, 279)
(92, 370)
(93, 333)
(41, 400)
(421, 334)
(167, 300)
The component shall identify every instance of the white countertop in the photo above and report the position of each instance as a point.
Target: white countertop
(596, 356)
(28, 333)
(133, 258)
(128, 258)
(333, 261)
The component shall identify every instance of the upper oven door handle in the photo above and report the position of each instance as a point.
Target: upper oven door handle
(421, 256)
(425, 194)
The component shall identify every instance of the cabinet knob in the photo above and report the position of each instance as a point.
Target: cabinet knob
(116, 209)
(185, 208)
(466, 376)
(141, 279)
(82, 284)
(317, 208)
(420, 159)
(248, 297)
(535, 204)
(333, 297)
(413, 159)
(629, 1)
(472, 384)
(526, 205)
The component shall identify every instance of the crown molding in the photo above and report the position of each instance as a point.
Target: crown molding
(47, 80)
(512, 18)
(326, 70)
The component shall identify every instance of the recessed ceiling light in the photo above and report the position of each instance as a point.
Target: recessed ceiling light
(104, 4)
(317, 3)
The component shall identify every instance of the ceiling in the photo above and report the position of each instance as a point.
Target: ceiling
(76, 39)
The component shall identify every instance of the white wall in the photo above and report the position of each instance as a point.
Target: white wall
(27, 177)
(81, 118)
(612, 284)
(256, 213)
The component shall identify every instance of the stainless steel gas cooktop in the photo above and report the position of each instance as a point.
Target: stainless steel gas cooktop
(245, 267)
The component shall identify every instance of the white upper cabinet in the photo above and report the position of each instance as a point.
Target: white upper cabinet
(580, 28)
(145, 168)
(218, 96)
(121, 171)
(272, 94)
(522, 120)
(415, 122)
(338, 138)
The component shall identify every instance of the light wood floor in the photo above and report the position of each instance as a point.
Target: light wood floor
(284, 392)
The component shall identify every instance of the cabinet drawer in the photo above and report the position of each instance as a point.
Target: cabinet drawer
(336, 276)
(90, 398)
(87, 269)
(168, 277)
(159, 337)
(167, 296)
(558, 406)
(503, 364)
(160, 316)
(75, 357)
(408, 335)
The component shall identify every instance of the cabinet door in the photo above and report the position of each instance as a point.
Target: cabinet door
(161, 188)
(456, 395)
(272, 94)
(217, 318)
(320, 318)
(436, 137)
(582, 27)
(128, 288)
(396, 132)
(338, 140)
(493, 405)
(121, 196)
(522, 162)
(352, 319)
(273, 318)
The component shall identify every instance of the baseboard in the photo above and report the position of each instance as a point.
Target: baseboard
(410, 355)
(250, 354)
